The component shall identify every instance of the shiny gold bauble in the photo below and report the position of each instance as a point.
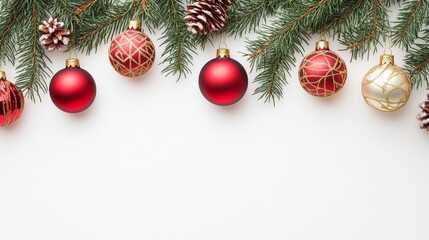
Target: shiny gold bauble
(386, 87)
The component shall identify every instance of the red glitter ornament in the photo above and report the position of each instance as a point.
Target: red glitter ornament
(11, 102)
(132, 52)
(72, 89)
(322, 73)
(223, 81)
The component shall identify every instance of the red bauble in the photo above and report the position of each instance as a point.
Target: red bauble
(223, 81)
(72, 89)
(322, 72)
(11, 102)
(132, 52)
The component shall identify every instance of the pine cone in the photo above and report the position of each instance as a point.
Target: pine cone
(423, 117)
(55, 36)
(225, 3)
(206, 16)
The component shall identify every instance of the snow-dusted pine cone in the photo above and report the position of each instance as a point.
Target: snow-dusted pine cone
(54, 36)
(225, 3)
(206, 16)
(423, 117)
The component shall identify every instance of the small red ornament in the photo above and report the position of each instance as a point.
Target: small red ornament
(72, 89)
(11, 102)
(223, 81)
(132, 52)
(322, 73)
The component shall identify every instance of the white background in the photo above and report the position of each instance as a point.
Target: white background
(152, 159)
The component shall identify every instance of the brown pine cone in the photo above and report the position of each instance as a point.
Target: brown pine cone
(205, 16)
(423, 117)
(55, 36)
(225, 3)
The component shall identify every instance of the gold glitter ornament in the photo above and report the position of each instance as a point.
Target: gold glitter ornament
(386, 87)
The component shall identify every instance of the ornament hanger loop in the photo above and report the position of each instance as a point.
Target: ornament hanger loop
(223, 41)
(223, 45)
(388, 50)
(72, 52)
(322, 37)
(388, 45)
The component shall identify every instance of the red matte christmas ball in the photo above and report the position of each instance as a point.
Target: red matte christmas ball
(322, 73)
(72, 89)
(11, 101)
(223, 81)
(132, 52)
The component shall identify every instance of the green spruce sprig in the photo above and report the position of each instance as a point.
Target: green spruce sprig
(412, 34)
(368, 25)
(177, 42)
(246, 16)
(410, 22)
(283, 28)
(107, 18)
(32, 61)
(417, 64)
(273, 51)
(359, 25)
(9, 27)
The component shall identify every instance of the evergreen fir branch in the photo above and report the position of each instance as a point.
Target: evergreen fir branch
(150, 13)
(411, 20)
(101, 23)
(417, 64)
(66, 11)
(346, 14)
(280, 41)
(363, 37)
(32, 70)
(203, 40)
(84, 7)
(143, 5)
(246, 17)
(391, 2)
(272, 78)
(322, 15)
(267, 41)
(359, 24)
(9, 19)
(176, 40)
(95, 31)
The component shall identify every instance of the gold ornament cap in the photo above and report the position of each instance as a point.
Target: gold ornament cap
(387, 59)
(3, 75)
(135, 24)
(322, 45)
(72, 62)
(223, 53)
